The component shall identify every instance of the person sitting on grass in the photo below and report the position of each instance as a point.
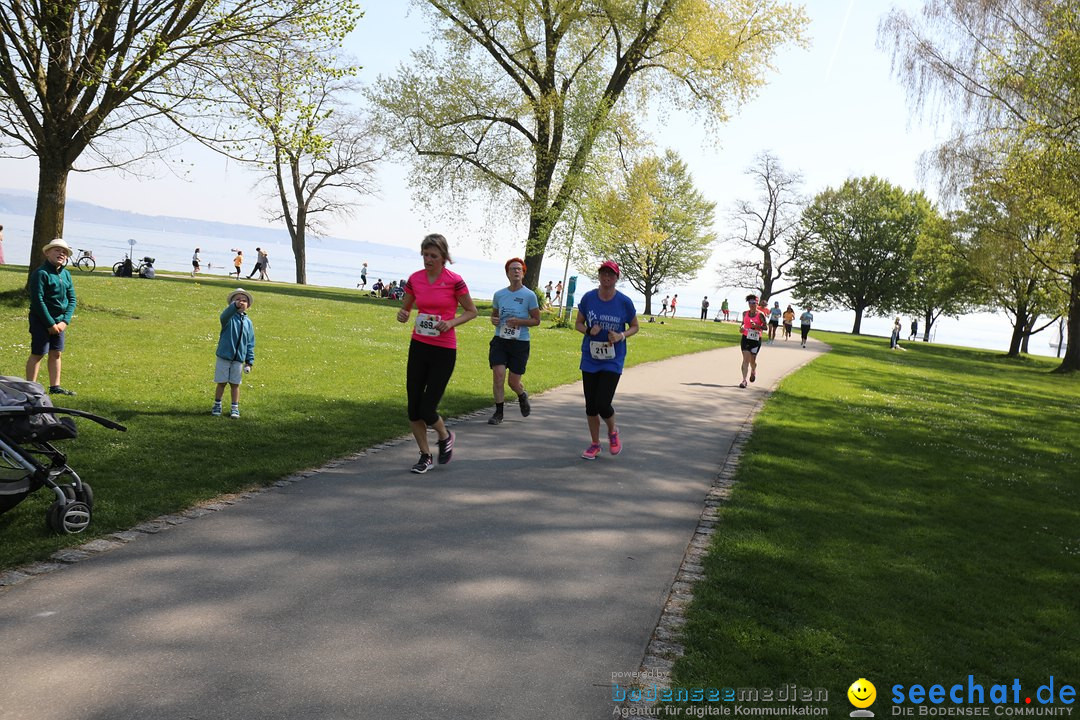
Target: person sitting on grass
(235, 350)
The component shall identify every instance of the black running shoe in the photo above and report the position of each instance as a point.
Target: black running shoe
(495, 419)
(57, 390)
(446, 449)
(523, 403)
(423, 465)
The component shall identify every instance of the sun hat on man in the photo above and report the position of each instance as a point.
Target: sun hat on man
(57, 243)
(609, 265)
(237, 292)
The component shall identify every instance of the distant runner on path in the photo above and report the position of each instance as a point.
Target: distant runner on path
(753, 324)
(606, 318)
(805, 321)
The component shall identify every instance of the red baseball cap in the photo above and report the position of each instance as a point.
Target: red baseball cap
(610, 265)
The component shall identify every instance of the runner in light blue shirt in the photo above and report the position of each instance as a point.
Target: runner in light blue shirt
(514, 310)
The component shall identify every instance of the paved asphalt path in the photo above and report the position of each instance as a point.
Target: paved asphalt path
(508, 584)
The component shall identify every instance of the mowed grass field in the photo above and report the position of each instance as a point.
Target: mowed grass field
(329, 380)
(905, 517)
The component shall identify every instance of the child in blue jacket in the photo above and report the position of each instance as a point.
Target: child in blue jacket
(235, 350)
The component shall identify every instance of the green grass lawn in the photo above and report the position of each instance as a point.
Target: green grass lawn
(328, 381)
(907, 517)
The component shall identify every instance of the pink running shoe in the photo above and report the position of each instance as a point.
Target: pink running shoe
(591, 452)
(616, 446)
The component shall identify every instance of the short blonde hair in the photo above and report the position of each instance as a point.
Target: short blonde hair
(438, 242)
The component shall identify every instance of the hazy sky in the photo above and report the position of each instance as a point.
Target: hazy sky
(833, 111)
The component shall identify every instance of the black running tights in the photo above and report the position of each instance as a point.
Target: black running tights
(426, 377)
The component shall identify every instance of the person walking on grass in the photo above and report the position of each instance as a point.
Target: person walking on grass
(726, 309)
(514, 309)
(606, 318)
(52, 303)
(437, 293)
(674, 302)
(914, 328)
(264, 265)
(663, 307)
(258, 264)
(705, 308)
(363, 277)
(752, 326)
(196, 263)
(235, 351)
(894, 338)
(805, 320)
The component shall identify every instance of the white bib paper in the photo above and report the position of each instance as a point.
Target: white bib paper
(509, 333)
(425, 324)
(601, 350)
(753, 335)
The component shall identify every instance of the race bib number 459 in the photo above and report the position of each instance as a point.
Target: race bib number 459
(425, 324)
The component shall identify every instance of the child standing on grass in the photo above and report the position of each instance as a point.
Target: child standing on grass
(52, 303)
(235, 350)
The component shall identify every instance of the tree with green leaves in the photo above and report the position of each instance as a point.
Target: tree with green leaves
(1003, 237)
(317, 155)
(770, 228)
(654, 223)
(107, 80)
(862, 238)
(512, 99)
(1011, 71)
(942, 281)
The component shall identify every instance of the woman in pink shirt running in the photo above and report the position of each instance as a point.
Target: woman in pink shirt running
(436, 292)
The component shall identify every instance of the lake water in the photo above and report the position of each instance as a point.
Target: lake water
(333, 262)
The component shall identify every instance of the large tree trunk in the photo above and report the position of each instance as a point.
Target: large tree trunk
(1018, 332)
(1071, 360)
(299, 250)
(858, 320)
(928, 319)
(1027, 334)
(535, 246)
(49, 213)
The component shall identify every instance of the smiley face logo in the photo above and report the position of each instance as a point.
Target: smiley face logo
(862, 693)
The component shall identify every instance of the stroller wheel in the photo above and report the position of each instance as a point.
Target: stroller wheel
(68, 518)
(86, 496)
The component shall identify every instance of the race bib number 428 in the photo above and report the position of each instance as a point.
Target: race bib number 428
(425, 324)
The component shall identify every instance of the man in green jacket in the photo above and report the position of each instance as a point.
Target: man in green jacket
(52, 303)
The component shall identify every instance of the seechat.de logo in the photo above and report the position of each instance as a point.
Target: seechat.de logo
(862, 695)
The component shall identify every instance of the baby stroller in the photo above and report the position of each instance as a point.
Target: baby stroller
(29, 461)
